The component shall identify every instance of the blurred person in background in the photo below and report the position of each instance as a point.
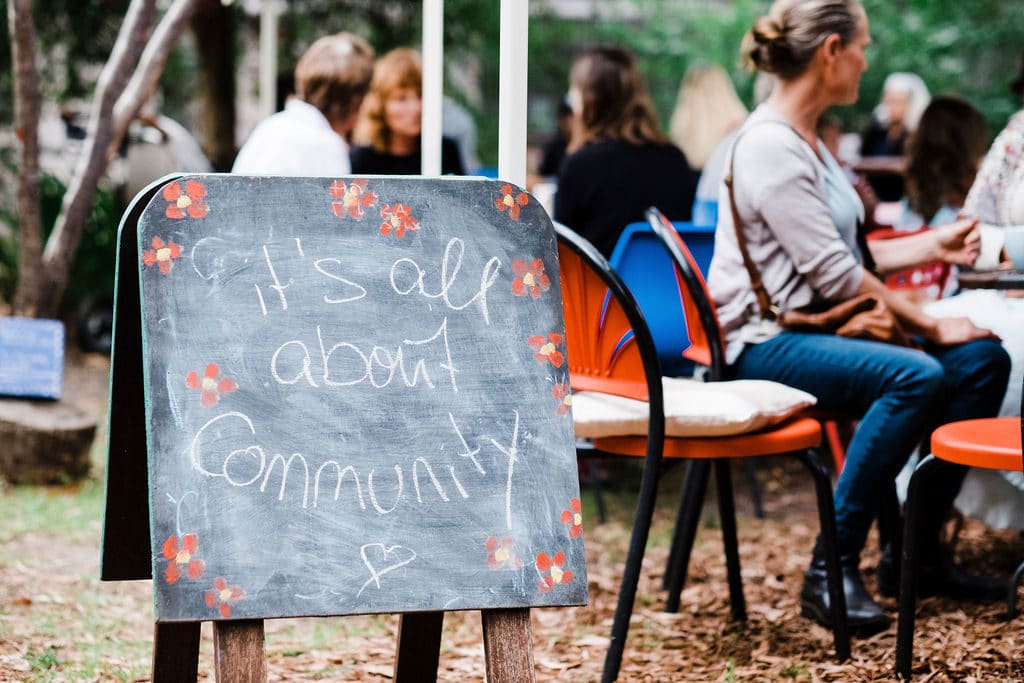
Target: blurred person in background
(390, 122)
(904, 98)
(619, 162)
(707, 110)
(309, 136)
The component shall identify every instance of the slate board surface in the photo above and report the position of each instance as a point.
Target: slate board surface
(355, 399)
(31, 357)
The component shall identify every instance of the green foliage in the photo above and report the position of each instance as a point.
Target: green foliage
(93, 268)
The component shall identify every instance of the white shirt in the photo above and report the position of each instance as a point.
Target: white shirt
(296, 141)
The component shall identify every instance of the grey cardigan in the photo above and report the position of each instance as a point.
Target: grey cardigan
(782, 195)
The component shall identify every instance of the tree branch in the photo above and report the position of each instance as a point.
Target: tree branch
(27, 103)
(121, 91)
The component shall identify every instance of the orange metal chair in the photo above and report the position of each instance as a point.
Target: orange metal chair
(993, 443)
(610, 350)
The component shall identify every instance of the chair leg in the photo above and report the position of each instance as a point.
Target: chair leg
(631, 574)
(1011, 598)
(909, 567)
(889, 530)
(690, 504)
(750, 471)
(596, 483)
(827, 522)
(727, 513)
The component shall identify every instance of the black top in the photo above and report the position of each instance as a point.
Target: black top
(606, 185)
(876, 142)
(367, 160)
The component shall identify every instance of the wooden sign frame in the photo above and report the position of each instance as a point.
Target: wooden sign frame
(127, 548)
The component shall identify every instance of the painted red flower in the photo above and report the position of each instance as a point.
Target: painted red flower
(211, 384)
(502, 553)
(223, 596)
(182, 557)
(573, 517)
(561, 391)
(191, 200)
(161, 253)
(551, 572)
(352, 199)
(397, 219)
(547, 349)
(512, 203)
(530, 279)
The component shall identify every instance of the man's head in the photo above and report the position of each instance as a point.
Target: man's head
(333, 75)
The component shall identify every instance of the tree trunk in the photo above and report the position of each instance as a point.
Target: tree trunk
(215, 28)
(26, 125)
(44, 443)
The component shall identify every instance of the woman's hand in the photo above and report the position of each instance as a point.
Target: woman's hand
(958, 243)
(949, 331)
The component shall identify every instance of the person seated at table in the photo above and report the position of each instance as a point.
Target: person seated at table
(309, 136)
(904, 97)
(619, 162)
(390, 122)
(798, 214)
(942, 160)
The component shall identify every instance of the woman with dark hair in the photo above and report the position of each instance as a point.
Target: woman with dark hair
(619, 162)
(388, 131)
(798, 215)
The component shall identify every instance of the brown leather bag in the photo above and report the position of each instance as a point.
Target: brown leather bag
(862, 317)
(865, 316)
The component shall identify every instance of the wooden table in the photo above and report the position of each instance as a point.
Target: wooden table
(991, 279)
(881, 165)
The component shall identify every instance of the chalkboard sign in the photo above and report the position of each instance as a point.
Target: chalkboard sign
(31, 357)
(356, 399)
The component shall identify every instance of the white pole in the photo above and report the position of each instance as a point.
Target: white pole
(433, 83)
(268, 57)
(512, 91)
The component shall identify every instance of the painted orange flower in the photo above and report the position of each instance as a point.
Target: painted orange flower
(211, 384)
(191, 200)
(530, 279)
(222, 596)
(182, 558)
(561, 391)
(162, 254)
(512, 203)
(551, 572)
(573, 518)
(547, 349)
(397, 219)
(352, 199)
(502, 553)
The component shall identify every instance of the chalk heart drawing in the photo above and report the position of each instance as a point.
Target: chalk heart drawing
(397, 555)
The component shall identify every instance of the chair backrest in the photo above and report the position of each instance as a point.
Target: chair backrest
(646, 267)
(706, 340)
(610, 348)
(705, 212)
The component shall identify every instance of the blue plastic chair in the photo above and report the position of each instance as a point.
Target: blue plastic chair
(646, 268)
(705, 212)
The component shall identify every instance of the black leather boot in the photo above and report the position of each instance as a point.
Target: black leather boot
(863, 614)
(939, 575)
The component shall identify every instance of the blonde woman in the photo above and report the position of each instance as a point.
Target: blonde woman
(707, 110)
(799, 214)
(388, 131)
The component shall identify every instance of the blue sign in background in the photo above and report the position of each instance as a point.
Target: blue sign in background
(31, 357)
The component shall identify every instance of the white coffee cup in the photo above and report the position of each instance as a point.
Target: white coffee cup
(1014, 243)
(992, 239)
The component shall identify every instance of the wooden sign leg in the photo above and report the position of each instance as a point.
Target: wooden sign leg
(238, 651)
(176, 651)
(419, 646)
(508, 645)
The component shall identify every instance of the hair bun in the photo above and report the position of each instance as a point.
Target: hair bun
(767, 31)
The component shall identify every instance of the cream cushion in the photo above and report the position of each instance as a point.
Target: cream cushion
(692, 408)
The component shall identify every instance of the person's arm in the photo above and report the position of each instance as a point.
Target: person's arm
(942, 331)
(958, 243)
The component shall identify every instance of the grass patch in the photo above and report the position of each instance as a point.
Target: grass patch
(71, 513)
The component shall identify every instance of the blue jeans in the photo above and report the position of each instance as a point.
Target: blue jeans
(899, 395)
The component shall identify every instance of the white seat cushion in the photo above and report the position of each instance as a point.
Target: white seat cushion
(692, 408)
